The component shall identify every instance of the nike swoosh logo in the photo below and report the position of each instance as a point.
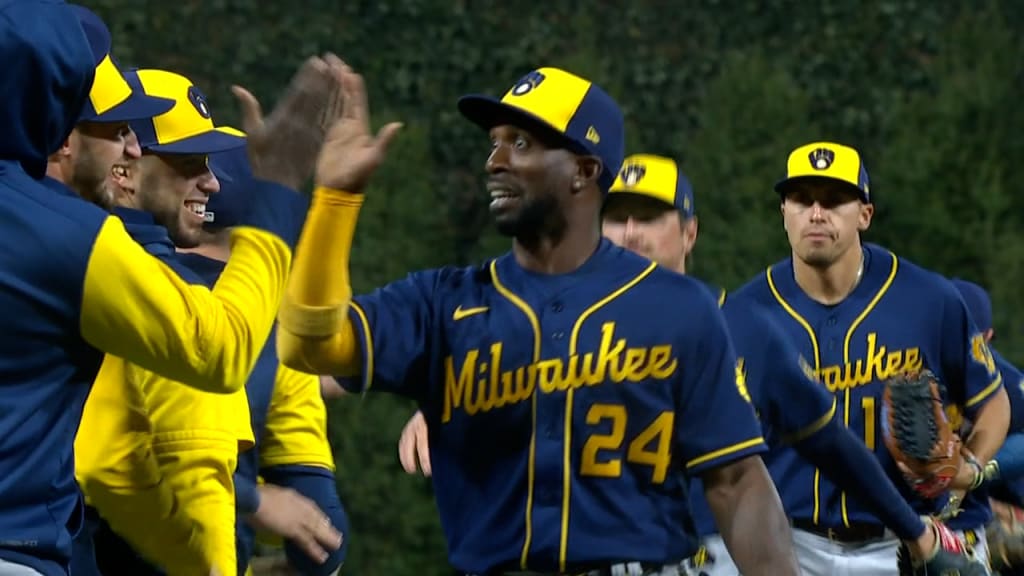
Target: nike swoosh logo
(461, 313)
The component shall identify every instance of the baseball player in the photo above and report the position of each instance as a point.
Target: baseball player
(288, 417)
(102, 134)
(650, 210)
(860, 315)
(153, 456)
(974, 513)
(566, 402)
(63, 255)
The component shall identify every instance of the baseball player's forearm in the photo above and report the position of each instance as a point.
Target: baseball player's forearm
(315, 334)
(846, 461)
(991, 425)
(750, 518)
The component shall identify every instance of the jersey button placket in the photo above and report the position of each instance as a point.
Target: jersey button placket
(551, 417)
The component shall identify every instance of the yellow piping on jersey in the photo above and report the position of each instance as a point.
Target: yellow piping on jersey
(567, 456)
(846, 360)
(368, 372)
(817, 367)
(813, 427)
(531, 465)
(987, 391)
(725, 451)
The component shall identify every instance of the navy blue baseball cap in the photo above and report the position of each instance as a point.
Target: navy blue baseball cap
(227, 207)
(979, 305)
(580, 113)
(187, 128)
(111, 99)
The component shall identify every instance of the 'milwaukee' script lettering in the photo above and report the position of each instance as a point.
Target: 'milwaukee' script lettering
(480, 386)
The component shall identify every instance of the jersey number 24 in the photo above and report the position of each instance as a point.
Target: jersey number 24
(651, 447)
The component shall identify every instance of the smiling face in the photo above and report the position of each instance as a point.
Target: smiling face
(175, 188)
(823, 219)
(530, 182)
(93, 149)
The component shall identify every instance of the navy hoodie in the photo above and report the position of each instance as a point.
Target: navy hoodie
(46, 368)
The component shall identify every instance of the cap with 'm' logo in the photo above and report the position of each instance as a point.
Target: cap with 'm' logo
(578, 112)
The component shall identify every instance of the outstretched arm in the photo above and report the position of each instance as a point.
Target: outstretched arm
(845, 460)
(316, 333)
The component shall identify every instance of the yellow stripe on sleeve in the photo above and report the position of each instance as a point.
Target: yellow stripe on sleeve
(724, 452)
(813, 427)
(986, 393)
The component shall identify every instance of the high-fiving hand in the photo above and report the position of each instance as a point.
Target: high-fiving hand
(351, 152)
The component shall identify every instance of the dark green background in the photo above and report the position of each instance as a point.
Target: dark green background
(930, 92)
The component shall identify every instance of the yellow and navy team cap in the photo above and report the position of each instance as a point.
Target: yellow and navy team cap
(188, 127)
(826, 160)
(111, 99)
(580, 113)
(655, 177)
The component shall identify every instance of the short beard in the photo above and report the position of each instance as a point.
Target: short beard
(540, 219)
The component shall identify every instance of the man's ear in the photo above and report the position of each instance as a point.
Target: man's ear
(588, 170)
(867, 211)
(64, 151)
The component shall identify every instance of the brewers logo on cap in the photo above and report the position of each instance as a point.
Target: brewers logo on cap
(527, 83)
(632, 174)
(821, 158)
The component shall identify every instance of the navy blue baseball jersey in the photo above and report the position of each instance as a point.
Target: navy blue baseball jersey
(975, 511)
(899, 317)
(1013, 381)
(565, 411)
(772, 373)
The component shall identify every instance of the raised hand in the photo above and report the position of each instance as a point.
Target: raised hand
(284, 146)
(351, 152)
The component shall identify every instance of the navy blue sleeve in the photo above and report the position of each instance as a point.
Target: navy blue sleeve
(716, 423)
(394, 325)
(1013, 382)
(790, 402)
(247, 495)
(968, 368)
(277, 209)
(318, 485)
(846, 461)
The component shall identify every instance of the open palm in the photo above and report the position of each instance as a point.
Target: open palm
(351, 152)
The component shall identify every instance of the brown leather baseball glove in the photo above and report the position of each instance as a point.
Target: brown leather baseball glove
(917, 433)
